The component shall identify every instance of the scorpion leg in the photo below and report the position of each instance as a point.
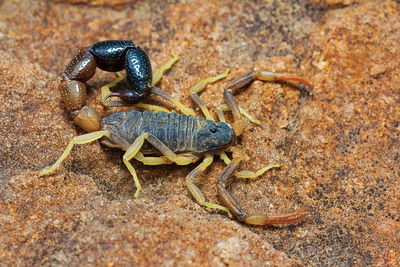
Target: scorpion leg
(77, 140)
(134, 148)
(168, 97)
(152, 160)
(160, 160)
(245, 173)
(202, 106)
(158, 73)
(246, 79)
(252, 175)
(273, 76)
(131, 153)
(195, 191)
(153, 108)
(196, 88)
(168, 153)
(240, 214)
(238, 154)
(227, 160)
(200, 86)
(203, 83)
(238, 124)
(221, 116)
(237, 112)
(243, 112)
(224, 157)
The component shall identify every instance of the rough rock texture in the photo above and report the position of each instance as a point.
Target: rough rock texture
(338, 146)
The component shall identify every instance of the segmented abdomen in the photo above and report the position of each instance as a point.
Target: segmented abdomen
(173, 129)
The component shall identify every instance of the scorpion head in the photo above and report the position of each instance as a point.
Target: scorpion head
(213, 136)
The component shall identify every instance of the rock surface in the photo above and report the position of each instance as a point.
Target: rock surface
(338, 146)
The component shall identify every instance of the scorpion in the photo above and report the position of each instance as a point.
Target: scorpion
(156, 137)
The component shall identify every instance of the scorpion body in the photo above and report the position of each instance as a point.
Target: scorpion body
(169, 137)
(179, 132)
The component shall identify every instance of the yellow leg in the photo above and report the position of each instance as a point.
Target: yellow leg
(195, 191)
(245, 173)
(110, 144)
(240, 214)
(153, 108)
(203, 83)
(244, 113)
(202, 106)
(105, 90)
(152, 160)
(78, 140)
(158, 73)
(251, 175)
(238, 123)
(167, 152)
(199, 87)
(133, 151)
(225, 158)
(220, 115)
(182, 108)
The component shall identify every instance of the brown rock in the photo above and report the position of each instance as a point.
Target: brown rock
(339, 147)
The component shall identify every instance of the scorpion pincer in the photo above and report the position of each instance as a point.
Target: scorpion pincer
(109, 56)
(167, 137)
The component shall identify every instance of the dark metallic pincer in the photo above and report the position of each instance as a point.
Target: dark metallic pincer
(113, 56)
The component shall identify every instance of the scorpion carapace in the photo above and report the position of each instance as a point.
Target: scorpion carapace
(182, 133)
(168, 137)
